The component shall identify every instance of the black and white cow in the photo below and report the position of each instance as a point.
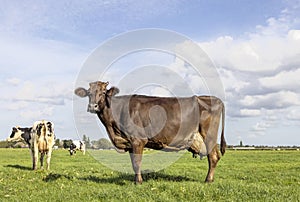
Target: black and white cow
(40, 139)
(77, 145)
(43, 139)
(19, 134)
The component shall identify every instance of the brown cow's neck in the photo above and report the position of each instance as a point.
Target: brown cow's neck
(113, 131)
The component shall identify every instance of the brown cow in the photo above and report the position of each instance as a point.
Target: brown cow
(134, 122)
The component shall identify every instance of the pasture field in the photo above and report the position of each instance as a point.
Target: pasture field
(240, 176)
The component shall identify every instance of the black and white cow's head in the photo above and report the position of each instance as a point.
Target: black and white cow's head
(99, 96)
(72, 148)
(19, 134)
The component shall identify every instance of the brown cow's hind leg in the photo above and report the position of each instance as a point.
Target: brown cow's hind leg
(213, 159)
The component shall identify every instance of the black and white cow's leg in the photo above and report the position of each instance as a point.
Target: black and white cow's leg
(35, 156)
(213, 158)
(136, 159)
(33, 159)
(48, 158)
(42, 159)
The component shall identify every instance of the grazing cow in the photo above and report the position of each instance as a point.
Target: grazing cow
(77, 145)
(134, 122)
(19, 134)
(40, 139)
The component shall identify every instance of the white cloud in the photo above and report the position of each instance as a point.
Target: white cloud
(285, 80)
(37, 113)
(265, 49)
(197, 84)
(25, 92)
(294, 35)
(274, 26)
(293, 114)
(33, 58)
(261, 126)
(179, 67)
(16, 105)
(259, 53)
(260, 70)
(232, 80)
(250, 112)
(276, 100)
(13, 81)
(40, 91)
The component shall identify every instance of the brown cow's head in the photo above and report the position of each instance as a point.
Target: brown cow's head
(99, 96)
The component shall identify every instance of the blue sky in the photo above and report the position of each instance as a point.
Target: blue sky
(255, 46)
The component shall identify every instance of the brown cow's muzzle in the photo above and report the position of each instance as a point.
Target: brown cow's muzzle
(93, 108)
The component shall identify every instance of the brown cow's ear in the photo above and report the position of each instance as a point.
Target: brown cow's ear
(81, 92)
(112, 91)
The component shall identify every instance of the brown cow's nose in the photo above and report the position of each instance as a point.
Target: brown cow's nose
(93, 107)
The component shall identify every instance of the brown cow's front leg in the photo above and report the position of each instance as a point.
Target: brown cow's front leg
(213, 159)
(136, 159)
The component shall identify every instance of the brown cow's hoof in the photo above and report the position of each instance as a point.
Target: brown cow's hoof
(209, 181)
(138, 182)
(138, 179)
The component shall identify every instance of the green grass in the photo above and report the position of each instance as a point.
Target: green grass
(240, 176)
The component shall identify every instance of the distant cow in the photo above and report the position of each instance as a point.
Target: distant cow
(77, 145)
(40, 139)
(134, 122)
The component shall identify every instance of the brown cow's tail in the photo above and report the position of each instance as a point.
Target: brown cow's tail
(223, 142)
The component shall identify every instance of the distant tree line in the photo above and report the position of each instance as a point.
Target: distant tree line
(102, 143)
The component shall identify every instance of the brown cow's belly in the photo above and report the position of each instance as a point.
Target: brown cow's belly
(154, 145)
